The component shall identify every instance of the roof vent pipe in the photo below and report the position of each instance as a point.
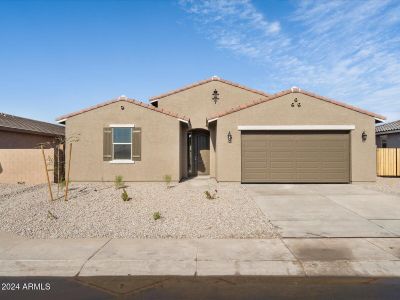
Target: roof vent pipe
(295, 89)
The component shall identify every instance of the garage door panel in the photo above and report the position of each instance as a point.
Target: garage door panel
(255, 165)
(255, 155)
(281, 144)
(296, 157)
(334, 165)
(282, 164)
(279, 154)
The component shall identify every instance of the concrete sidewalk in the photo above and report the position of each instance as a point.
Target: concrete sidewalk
(363, 257)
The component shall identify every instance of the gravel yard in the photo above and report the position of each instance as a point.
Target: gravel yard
(97, 210)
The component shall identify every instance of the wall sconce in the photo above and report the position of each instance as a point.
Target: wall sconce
(229, 137)
(364, 136)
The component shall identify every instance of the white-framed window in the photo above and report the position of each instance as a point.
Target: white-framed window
(121, 143)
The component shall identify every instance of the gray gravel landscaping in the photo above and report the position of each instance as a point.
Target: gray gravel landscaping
(97, 210)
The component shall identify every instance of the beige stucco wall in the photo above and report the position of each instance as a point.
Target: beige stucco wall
(312, 112)
(197, 102)
(160, 144)
(25, 165)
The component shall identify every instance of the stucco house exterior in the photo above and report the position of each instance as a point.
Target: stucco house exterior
(227, 131)
(388, 135)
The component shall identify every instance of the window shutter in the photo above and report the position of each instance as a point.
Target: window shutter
(107, 144)
(136, 144)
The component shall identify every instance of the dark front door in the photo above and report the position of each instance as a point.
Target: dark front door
(199, 153)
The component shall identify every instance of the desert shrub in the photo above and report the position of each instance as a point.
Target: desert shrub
(211, 196)
(62, 184)
(167, 179)
(119, 182)
(50, 215)
(125, 195)
(157, 215)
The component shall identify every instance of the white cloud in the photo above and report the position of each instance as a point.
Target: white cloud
(348, 50)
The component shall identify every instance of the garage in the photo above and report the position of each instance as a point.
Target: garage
(295, 156)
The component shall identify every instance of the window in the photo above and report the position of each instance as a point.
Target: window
(122, 143)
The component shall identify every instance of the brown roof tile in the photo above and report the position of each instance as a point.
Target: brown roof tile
(388, 127)
(297, 90)
(12, 123)
(154, 98)
(131, 101)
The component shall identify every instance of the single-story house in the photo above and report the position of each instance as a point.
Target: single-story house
(21, 160)
(227, 131)
(388, 135)
(23, 133)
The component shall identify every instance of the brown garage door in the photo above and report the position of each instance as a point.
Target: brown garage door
(295, 156)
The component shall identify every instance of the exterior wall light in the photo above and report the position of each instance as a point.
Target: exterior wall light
(364, 136)
(229, 137)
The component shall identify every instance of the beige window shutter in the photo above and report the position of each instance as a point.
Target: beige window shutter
(136, 144)
(107, 144)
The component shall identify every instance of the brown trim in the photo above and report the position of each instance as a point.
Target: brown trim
(155, 98)
(286, 92)
(131, 101)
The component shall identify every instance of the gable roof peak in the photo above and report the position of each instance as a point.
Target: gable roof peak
(213, 78)
(63, 118)
(295, 90)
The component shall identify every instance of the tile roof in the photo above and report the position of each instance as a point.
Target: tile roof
(294, 90)
(388, 127)
(14, 123)
(214, 78)
(131, 101)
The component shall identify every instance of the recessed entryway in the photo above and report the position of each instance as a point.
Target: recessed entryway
(198, 152)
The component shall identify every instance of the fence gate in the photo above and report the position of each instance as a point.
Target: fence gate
(388, 161)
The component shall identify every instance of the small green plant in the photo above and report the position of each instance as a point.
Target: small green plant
(62, 184)
(167, 179)
(119, 182)
(50, 215)
(125, 195)
(210, 196)
(157, 215)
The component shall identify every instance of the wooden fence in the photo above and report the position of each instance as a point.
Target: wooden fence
(388, 161)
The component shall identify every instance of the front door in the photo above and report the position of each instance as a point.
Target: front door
(199, 153)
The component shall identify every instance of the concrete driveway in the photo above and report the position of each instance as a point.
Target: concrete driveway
(328, 210)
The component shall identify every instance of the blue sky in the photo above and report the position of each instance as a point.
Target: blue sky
(60, 56)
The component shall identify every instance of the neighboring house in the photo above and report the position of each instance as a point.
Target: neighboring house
(22, 133)
(225, 130)
(388, 135)
(21, 160)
